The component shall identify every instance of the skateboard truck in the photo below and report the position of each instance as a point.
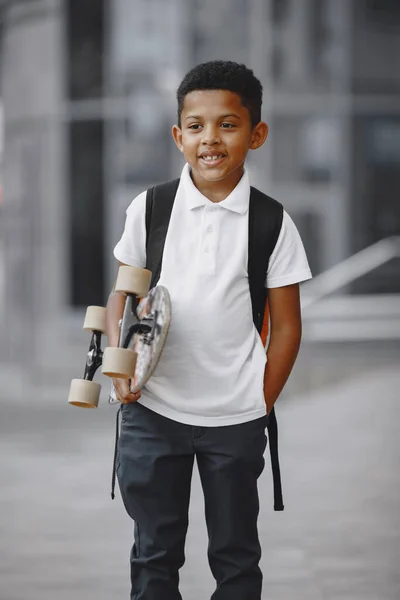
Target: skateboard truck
(85, 392)
(130, 323)
(94, 356)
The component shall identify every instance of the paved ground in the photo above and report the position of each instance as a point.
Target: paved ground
(338, 539)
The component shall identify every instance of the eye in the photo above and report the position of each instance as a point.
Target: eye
(194, 126)
(227, 125)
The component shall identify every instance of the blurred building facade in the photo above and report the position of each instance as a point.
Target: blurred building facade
(89, 96)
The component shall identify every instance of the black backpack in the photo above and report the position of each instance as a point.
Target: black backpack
(265, 222)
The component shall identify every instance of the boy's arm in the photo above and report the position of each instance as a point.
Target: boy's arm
(285, 315)
(114, 312)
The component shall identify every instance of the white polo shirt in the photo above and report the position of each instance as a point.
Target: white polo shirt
(211, 371)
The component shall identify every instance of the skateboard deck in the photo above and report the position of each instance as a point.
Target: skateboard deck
(143, 329)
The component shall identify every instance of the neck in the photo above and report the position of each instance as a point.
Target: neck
(216, 191)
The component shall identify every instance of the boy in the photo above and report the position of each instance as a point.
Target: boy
(212, 389)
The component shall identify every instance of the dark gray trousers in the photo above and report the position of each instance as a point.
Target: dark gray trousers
(154, 469)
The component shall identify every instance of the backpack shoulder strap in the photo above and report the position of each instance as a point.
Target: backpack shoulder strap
(159, 202)
(265, 223)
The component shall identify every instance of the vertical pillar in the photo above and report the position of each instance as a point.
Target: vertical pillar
(33, 221)
(260, 52)
(337, 207)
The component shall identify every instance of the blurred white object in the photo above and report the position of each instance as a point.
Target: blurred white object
(112, 398)
(320, 147)
(2, 269)
(352, 317)
(1, 135)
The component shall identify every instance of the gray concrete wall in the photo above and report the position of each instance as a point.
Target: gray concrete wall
(34, 219)
(40, 330)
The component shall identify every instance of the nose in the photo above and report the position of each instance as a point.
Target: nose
(211, 135)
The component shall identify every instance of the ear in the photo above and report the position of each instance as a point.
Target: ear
(177, 135)
(258, 135)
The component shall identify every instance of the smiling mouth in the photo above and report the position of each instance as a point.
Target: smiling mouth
(212, 159)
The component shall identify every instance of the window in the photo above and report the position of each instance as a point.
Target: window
(279, 11)
(86, 213)
(383, 13)
(375, 213)
(85, 35)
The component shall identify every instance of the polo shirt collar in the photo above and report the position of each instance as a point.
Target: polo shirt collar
(237, 201)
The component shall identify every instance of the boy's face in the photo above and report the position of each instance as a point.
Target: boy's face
(215, 136)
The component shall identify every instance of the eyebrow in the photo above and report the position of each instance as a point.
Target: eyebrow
(223, 117)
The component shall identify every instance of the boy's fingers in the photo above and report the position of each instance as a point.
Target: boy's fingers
(124, 394)
(131, 397)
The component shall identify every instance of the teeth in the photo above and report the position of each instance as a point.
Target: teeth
(210, 158)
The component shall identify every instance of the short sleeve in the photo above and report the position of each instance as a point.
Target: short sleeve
(131, 248)
(288, 263)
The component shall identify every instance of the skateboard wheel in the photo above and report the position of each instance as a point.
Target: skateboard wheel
(119, 362)
(131, 280)
(84, 393)
(95, 319)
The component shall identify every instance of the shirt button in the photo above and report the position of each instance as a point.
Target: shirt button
(207, 249)
(210, 228)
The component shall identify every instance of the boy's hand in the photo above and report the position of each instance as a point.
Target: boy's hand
(124, 395)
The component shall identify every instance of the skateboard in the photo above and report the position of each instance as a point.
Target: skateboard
(143, 330)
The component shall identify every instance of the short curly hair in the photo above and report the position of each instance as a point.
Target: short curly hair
(224, 75)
